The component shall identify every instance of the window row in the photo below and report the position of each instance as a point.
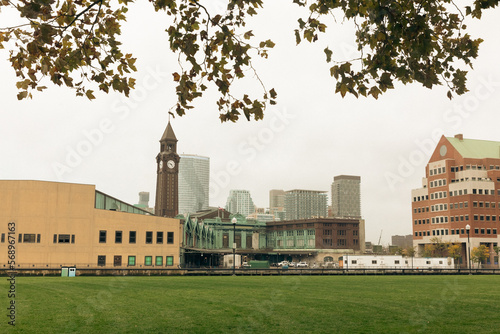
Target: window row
(292, 233)
(436, 171)
(458, 231)
(26, 238)
(459, 205)
(420, 210)
(458, 192)
(132, 237)
(292, 243)
(486, 218)
(148, 260)
(438, 183)
(484, 205)
(473, 167)
(438, 194)
(420, 198)
(439, 207)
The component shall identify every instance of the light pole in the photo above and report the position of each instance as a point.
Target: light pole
(234, 220)
(467, 228)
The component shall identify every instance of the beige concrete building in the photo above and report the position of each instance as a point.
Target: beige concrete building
(53, 224)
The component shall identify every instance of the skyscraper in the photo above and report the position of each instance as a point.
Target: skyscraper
(276, 198)
(346, 196)
(240, 201)
(303, 204)
(194, 175)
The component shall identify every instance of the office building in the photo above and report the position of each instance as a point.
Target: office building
(346, 196)
(304, 204)
(194, 176)
(240, 201)
(459, 196)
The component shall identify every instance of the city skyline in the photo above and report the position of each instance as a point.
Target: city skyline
(311, 135)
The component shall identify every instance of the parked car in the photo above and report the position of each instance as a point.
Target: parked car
(245, 265)
(302, 265)
(292, 264)
(283, 263)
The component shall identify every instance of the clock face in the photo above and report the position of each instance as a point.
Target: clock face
(443, 150)
(171, 164)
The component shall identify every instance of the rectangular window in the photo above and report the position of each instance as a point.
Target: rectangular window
(237, 240)
(170, 237)
(20, 239)
(149, 237)
(159, 239)
(55, 239)
(3, 237)
(131, 260)
(118, 237)
(148, 260)
(374, 261)
(72, 238)
(38, 237)
(117, 260)
(101, 260)
(131, 237)
(310, 232)
(170, 261)
(29, 238)
(102, 236)
(300, 243)
(63, 239)
(249, 241)
(476, 231)
(225, 240)
(289, 243)
(159, 261)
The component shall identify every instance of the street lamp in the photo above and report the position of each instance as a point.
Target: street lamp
(234, 220)
(467, 228)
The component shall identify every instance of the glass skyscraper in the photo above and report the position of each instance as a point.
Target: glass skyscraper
(194, 176)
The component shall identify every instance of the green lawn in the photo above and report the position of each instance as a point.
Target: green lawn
(277, 304)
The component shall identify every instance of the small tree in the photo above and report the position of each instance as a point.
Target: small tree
(480, 254)
(409, 252)
(454, 251)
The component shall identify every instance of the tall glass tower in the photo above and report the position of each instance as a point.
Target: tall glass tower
(194, 175)
(346, 196)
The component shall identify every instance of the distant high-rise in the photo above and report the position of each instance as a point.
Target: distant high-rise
(144, 198)
(276, 198)
(346, 196)
(303, 204)
(194, 175)
(240, 201)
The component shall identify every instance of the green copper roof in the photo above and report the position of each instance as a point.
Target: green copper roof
(477, 149)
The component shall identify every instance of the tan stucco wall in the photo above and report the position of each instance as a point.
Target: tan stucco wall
(49, 208)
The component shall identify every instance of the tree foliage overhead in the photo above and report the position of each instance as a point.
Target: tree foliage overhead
(75, 43)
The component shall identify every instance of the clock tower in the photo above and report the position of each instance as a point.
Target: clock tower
(167, 181)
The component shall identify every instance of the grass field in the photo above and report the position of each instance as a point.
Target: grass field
(277, 304)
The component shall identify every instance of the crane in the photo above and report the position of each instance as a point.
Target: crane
(380, 237)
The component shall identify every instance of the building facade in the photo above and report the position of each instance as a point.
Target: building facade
(459, 196)
(240, 201)
(346, 196)
(57, 225)
(167, 171)
(316, 240)
(303, 204)
(194, 176)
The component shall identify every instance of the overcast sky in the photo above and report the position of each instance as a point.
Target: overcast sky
(302, 143)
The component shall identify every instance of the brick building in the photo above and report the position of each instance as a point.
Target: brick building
(461, 188)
